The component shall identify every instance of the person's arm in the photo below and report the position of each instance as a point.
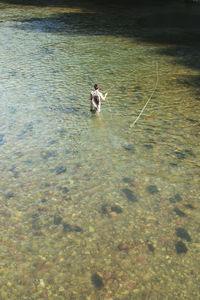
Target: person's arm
(104, 97)
(90, 96)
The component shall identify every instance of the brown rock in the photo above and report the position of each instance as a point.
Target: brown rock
(123, 246)
(107, 275)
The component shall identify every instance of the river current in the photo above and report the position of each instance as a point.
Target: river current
(92, 207)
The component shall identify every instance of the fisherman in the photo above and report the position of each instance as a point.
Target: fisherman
(95, 98)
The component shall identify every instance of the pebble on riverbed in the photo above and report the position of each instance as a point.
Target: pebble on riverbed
(130, 196)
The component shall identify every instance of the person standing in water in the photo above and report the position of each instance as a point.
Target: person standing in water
(95, 98)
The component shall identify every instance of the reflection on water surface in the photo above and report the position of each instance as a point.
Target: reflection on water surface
(90, 207)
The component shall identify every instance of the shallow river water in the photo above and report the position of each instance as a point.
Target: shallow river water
(91, 207)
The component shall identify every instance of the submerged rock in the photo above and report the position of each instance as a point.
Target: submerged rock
(112, 211)
(190, 152)
(130, 196)
(173, 165)
(9, 195)
(130, 147)
(19, 154)
(179, 154)
(67, 227)
(16, 174)
(77, 228)
(65, 190)
(192, 120)
(183, 234)
(139, 97)
(123, 246)
(116, 208)
(179, 212)
(49, 153)
(127, 180)
(22, 134)
(148, 146)
(176, 198)
(29, 126)
(60, 170)
(122, 88)
(62, 132)
(151, 247)
(189, 206)
(57, 220)
(105, 209)
(43, 200)
(152, 189)
(97, 281)
(13, 168)
(1, 138)
(51, 142)
(181, 247)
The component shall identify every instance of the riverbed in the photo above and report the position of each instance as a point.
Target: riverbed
(91, 206)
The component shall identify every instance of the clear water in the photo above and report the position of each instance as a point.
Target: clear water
(90, 207)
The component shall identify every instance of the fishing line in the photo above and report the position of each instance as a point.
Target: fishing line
(132, 125)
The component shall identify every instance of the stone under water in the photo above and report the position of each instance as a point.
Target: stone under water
(181, 247)
(152, 189)
(130, 196)
(183, 234)
(179, 212)
(97, 281)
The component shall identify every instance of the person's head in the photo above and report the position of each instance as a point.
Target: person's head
(96, 87)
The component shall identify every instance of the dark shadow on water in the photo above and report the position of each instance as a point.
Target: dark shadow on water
(174, 27)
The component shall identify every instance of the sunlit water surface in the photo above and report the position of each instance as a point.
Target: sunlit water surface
(92, 208)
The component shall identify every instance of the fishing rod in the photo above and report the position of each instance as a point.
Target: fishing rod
(132, 125)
